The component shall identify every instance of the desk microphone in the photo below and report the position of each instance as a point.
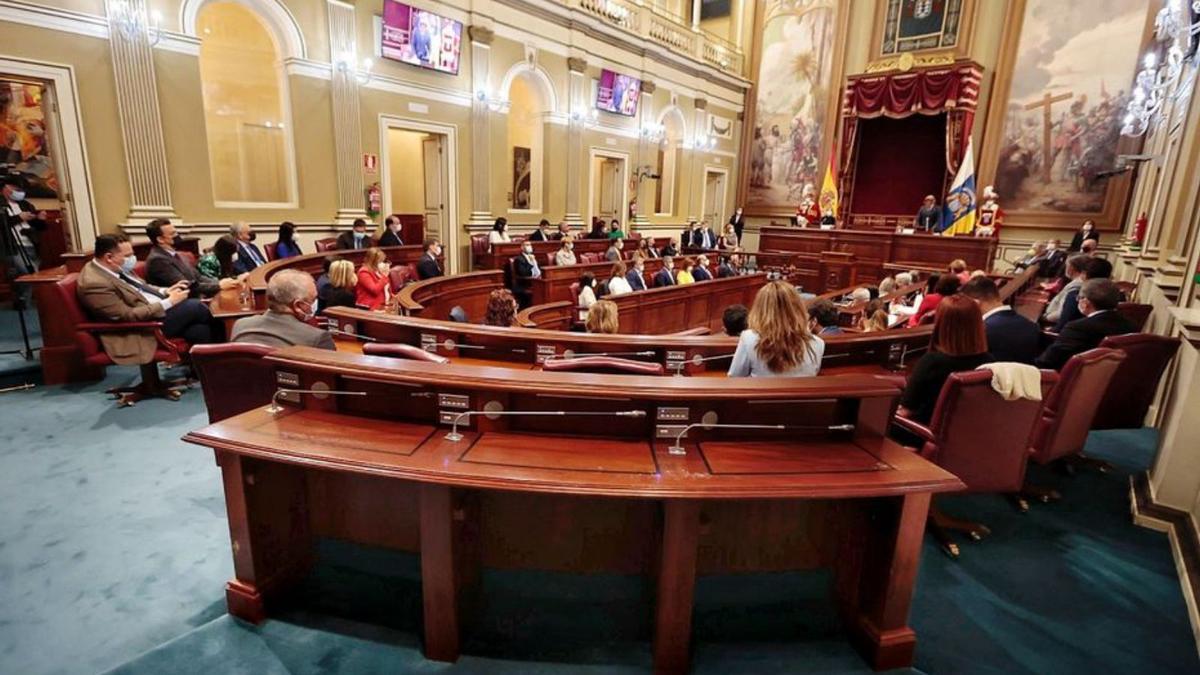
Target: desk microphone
(364, 338)
(274, 408)
(450, 345)
(696, 360)
(455, 437)
(677, 449)
(570, 354)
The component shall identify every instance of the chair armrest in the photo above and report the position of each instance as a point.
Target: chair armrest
(119, 326)
(924, 432)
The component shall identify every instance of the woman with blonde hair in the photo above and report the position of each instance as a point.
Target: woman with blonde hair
(372, 289)
(602, 317)
(778, 342)
(340, 290)
(874, 317)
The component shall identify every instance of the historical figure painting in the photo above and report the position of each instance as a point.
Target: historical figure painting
(522, 165)
(1066, 102)
(23, 135)
(795, 77)
(918, 25)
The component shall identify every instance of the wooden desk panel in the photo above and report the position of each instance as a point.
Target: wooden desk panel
(555, 283)
(526, 451)
(873, 249)
(434, 298)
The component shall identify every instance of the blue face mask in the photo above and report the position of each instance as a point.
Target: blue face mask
(128, 264)
(359, 235)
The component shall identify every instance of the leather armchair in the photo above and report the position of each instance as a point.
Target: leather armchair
(603, 365)
(401, 351)
(269, 250)
(1134, 384)
(979, 437)
(233, 377)
(87, 334)
(1136, 313)
(1061, 430)
(325, 245)
(479, 248)
(401, 275)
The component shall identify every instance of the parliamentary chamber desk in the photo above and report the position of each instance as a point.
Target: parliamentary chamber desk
(575, 473)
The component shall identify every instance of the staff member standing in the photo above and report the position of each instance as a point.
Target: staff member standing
(23, 227)
(929, 217)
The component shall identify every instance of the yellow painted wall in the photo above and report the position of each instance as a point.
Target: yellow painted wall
(406, 167)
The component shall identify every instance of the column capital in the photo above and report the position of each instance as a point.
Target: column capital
(701, 104)
(481, 34)
(576, 65)
(648, 86)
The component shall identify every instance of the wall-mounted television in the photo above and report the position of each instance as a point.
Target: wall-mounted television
(420, 38)
(617, 93)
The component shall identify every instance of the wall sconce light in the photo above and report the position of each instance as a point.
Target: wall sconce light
(653, 132)
(345, 64)
(704, 142)
(134, 21)
(587, 120)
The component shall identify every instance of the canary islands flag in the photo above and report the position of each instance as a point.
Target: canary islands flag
(829, 191)
(958, 215)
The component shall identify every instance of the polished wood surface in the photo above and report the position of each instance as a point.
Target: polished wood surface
(671, 309)
(434, 298)
(622, 501)
(871, 250)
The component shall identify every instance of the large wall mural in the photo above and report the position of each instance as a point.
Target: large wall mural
(1067, 97)
(792, 104)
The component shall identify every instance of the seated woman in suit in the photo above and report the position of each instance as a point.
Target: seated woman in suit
(958, 343)
(339, 292)
(646, 248)
(501, 308)
(617, 282)
(373, 284)
(685, 276)
(778, 341)
(566, 253)
(286, 245)
(587, 294)
(602, 317)
(940, 286)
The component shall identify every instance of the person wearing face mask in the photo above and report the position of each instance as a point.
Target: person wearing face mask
(738, 221)
(542, 233)
(499, 233)
(1087, 232)
(566, 253)
(110, 291)
(637, 275)
(428, 266)
(666, 275)
(249, 256)
(166, 266)
(23, 226)
(356, 238)
(1055, 259)
(1098, 301)
(525, 270)
(373, 283)
(613, 254)
(391, 232)
(291, 304)
(564, 231)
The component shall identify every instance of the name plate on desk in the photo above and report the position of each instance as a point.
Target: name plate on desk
(429, 342)
(546, 352)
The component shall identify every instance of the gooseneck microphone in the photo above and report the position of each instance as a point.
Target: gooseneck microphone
(455, 437)
(697, 360)
(274, 408)
(677, 448)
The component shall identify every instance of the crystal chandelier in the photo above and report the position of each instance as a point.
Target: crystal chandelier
(1160, 79)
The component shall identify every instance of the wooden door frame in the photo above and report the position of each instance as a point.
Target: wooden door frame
(451, 235)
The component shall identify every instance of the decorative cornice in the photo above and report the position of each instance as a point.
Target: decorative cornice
(576, 65)
(701, 104)
(907, 61)
(416, 90)
(83, 23)
(481, 34)
(648, 86)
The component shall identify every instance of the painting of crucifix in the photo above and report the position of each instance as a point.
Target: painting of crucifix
(1070, 88)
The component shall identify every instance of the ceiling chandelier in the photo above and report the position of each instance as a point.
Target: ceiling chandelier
(1161, 78)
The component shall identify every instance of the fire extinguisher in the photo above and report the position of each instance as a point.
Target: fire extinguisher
(1139, 229)
(374, 200)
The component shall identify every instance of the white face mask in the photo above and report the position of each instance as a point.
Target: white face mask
(128, 264)
(527, 249)
(18, 195)
(309, 312)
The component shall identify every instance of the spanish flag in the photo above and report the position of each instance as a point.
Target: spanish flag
(958, 214)
(829, 192)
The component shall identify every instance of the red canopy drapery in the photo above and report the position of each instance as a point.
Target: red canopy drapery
(951, 89)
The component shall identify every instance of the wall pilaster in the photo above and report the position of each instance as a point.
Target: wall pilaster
(347, 128)
(577, 111)
(481, 135)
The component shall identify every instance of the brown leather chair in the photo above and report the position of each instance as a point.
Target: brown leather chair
(401, 351)
(1061, 431)
(87, 339)
(1136, 313)
(479, 248)
(1136, 381)
(402, 275)
(234, 377)
(604, 365)
(589, 258)
(269, 250)
(979, 437)
(325, 245)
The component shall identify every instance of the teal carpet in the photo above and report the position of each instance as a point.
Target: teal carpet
(114, 552)
(15, 369)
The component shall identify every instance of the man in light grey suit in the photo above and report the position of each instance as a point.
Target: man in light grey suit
(291, 302)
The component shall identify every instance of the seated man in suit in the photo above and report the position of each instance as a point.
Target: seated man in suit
(427, 266)
(613, 254)
(391, 232)
(542, 233)
(666, 275)
(21, 232)
(1055, 259)
(1098, 300)
(248, 255)
(1093, 268)
(166, 267)
(525, 270)
(1010, 336)
(291, 304)
(564, 231)
(1074, 274)
(703, 237)
(671, 249)
(729, 266)
(356, 238)
(109, 291)
(636, 276)
(825, 314)
(701, 272)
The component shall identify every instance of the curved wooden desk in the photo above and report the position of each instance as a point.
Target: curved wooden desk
(313, 263)
(828, 492)
(434, 298)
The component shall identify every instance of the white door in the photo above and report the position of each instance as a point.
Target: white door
(435, 201)
(714, 198)
(610, 189)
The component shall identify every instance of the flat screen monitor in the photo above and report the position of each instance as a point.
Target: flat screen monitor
(618, 94)
(420, 38)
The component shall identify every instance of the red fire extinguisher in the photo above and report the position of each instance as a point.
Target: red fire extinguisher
(374, 200)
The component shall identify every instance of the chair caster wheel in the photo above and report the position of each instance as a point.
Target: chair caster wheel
(979, 533)
(951, 550)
